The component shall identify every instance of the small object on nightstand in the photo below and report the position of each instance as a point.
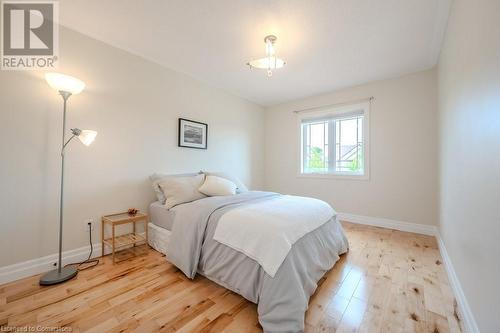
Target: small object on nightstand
(132, 211)
(116, 242)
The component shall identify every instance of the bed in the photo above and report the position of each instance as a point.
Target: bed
(233, 241)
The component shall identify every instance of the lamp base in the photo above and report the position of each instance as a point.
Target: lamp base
(55, 277)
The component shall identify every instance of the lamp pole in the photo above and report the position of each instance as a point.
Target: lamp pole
(65, 95)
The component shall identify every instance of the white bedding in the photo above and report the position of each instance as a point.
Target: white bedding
(158, 238)
(265, 231)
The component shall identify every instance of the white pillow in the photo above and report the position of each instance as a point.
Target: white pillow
(214, 186)
(178, 190)
(240, 187)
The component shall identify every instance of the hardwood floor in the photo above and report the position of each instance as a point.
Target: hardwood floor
(390, 281)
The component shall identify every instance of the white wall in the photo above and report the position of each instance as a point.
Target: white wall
(469, 107)
(403, 164)
(134, 105)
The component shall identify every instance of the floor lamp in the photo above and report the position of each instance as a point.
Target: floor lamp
(67, 86)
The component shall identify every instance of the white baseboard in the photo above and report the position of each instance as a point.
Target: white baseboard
(389, 224)
(45, 264)
(468, 321)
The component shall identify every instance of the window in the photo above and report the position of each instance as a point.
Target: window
(334, 141)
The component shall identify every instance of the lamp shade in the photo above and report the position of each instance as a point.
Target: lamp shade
(267, 63)
(66, 83)
(87, 137)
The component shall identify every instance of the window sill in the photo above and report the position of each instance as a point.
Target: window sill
(340, 176)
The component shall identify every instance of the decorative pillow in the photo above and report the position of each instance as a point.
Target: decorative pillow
(240, 187)
(178, 190)
(214, 186)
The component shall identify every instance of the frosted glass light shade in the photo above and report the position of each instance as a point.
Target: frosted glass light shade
(267, 63)
(66, 83)
(87, 137)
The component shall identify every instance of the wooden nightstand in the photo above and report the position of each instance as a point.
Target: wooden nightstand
(117, 242)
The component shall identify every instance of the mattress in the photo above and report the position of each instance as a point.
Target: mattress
(161, 216)
(158, 238)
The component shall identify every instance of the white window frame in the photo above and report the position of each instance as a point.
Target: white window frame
(336, 111)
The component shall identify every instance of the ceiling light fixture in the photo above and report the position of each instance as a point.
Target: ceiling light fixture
(270, 62)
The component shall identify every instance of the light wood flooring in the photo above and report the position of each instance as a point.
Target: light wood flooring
(390, 281)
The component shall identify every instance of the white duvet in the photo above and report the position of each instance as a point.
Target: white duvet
(265, 231)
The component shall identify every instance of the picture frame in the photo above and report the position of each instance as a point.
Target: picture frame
(192, 134)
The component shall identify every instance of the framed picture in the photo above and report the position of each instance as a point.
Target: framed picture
(192, 134)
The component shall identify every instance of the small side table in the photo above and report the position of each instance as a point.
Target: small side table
(116, 242)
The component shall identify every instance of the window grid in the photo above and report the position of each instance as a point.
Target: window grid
(334, 155)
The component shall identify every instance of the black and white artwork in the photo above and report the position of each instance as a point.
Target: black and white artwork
(192, 134)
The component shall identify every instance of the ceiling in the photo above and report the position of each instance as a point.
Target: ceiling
(327, 44)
